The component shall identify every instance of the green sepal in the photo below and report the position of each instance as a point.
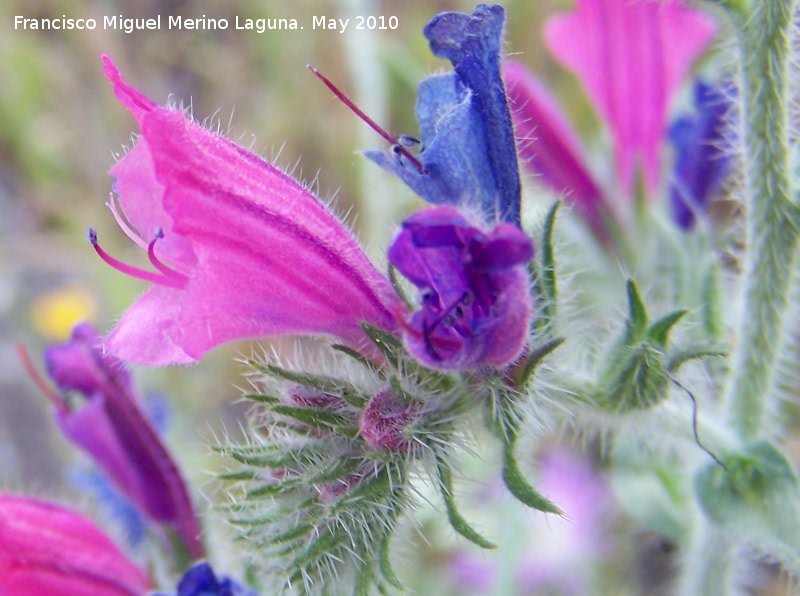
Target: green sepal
(357, 356)
(319, 419)
(637, 314)
(548, 278)
(262, 398)
(533, 360)
(518, 485)
(658, 333)
(389, 345)
(385, 562)
(456, 520)
(678, 359)
(323, 383)
(399, 289)
(637, 380)
(756, 497)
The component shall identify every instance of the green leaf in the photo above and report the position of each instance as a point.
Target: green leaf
(756, 498)
(658, 333)
(458, 523)
(637, 314)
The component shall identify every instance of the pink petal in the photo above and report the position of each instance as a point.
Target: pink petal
(262, 254)
(47, 549)
(631, 56)
(549, 147)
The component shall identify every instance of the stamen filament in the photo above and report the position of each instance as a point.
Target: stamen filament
(397, 144)
(151, 254)
(175, 280)
(55, 398)
(127, 229)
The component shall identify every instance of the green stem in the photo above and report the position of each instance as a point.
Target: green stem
(772, 232)
(706, 570)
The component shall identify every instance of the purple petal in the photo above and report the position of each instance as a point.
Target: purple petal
(466, 132)
(263, 256)
(631, 56)
(112, 428)
(474, 289)
(703, 157)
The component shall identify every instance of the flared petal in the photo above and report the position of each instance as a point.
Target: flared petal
(48, 549)
(257, 253)
(631, 56)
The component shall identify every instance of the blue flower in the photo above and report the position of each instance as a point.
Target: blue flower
(467, 138)
(200, 580)
(702, 161)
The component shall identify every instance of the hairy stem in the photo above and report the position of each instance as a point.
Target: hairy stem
(772, 235)
(706, 570)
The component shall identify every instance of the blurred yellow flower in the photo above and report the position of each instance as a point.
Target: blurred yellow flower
(55, 313)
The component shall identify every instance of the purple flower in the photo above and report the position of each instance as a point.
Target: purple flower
(200, 580)
(702, 161)
(48, 549)
(251, 252)
(631, 57)
(476, 305)
(112, 428)
(468, 152)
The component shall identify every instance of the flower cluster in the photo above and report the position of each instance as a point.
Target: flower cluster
(450, 347)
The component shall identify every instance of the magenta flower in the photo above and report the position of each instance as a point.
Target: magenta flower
(47, 549)
(476, 305)
(631, 56)
(550, 147)
(251, 253)
(112, 428)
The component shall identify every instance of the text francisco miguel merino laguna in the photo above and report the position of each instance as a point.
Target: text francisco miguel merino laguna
(128, 25)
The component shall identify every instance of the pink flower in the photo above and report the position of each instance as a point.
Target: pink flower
(251, 252)
(47, 549)
(631, 56)
(550, 147)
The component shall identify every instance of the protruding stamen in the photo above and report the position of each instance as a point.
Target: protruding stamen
(124, 226)
(173, 279)
(395, 142)
(167, 271)
(50, 393)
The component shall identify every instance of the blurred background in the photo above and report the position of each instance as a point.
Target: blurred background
(60, 129)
